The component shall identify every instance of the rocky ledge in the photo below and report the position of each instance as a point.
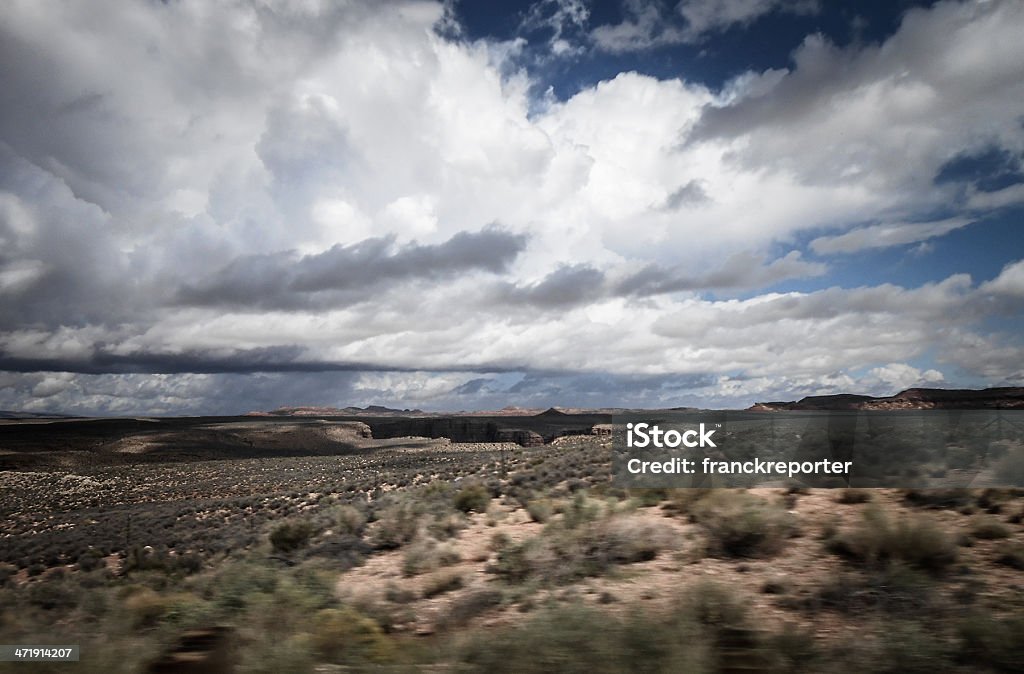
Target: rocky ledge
(1008, 397)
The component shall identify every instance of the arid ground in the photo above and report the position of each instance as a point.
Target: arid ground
(305, 545)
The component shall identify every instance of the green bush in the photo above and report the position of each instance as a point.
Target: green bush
(988, 528)
(90, 560)
(441, 583)
(739, 524)
(853, 496)
(895, 589)
(540, 510)
(472, 498)
(987, 641)
(347, 519)
(575, 639)
(706, 631)
(876, 542)
(910, 647)
(426, 554)
(939, 498)
(401, 516)
(580, 510)
(290, 536)
(465, 608)
(237, 585)
(292, 654)
(53, 594)
(397, 524)
(1011, 554)
(348, 637)
(561, 554)
(146, 608)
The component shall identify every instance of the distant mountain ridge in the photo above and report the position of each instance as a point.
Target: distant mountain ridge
(314, 411)
(1007, 397)
(20, 414)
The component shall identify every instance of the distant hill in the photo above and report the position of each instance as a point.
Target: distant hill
(1008, 397)
(18, 414)
(310, 411)
(379, 411)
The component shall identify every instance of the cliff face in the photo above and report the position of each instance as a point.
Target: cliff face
(1010, 397)
(526, 431)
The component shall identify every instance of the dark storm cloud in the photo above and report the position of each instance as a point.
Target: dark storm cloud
(743, 270)
(566, 286)
(576, 285)
(692, 193)
(540, 389)
(71, 265)
(345, 274)
(285, 358)
(227, 393)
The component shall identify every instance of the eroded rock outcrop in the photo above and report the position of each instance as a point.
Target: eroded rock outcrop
(1009, 397)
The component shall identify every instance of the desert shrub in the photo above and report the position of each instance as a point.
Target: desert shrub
(401, 516)
(290, 536)
(939, 498)
(53, 594)
(399, 595)
(706, 631)
(540, 509)
(143, 608)
(876, 542)
(580, 510)
(649, 497)
(993, 499)
(441, 583)
(516, 562)
(987, 528)
(343, 551)
(146, 609)
(618, 540)
(792, 650)
(909, 647)
(426, 554)
(446, 525)
(739, 524)
(853, 496)
(90, 560)
(681, 500)
(777, 585)
(346, 520)
(988, 641)
(7, 572)
(568, 639)
(397, 524)
(895, 589)
(710, 603)
(1011, 554)
(292, 654)
(236, 586)
(347, 636)
(472, 498)
(562, 554)
(475, 603)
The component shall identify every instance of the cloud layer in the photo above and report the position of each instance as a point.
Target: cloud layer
(201, 200)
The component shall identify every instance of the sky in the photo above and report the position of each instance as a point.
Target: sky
(218, 207)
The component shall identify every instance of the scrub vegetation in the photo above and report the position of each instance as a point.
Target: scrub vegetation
(491, 558)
